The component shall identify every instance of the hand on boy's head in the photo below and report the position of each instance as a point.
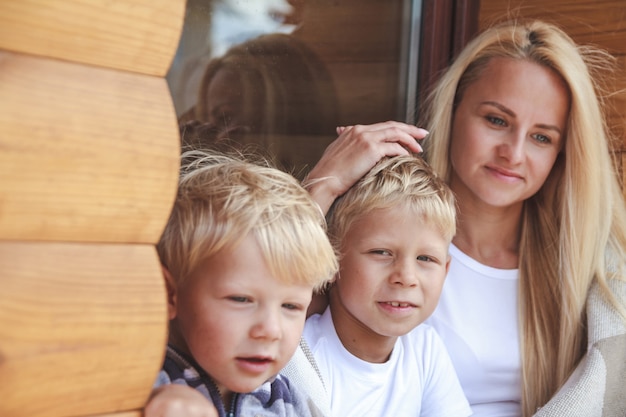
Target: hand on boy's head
(355, 151)
(178, 401)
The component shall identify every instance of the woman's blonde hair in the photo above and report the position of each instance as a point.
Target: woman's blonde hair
(398, 181)
(575, 221)
(222, 198)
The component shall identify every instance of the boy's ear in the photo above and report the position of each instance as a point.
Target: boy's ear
(448, 264)
(172, 294)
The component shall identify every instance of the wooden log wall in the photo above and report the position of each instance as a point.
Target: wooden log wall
(601, 23)
(89, 153)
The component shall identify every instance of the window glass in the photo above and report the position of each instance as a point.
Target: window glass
(282, 74)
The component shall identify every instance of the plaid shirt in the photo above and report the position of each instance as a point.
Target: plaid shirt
(275, 398)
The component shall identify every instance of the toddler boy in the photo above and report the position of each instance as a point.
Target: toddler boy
(242, 252)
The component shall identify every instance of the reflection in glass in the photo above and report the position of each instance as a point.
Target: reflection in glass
(283, 74)
(272, 91)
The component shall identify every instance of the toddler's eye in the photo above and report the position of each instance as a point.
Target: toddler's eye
(239, 298)
(380, 252)
(294, 307)
(425, 258)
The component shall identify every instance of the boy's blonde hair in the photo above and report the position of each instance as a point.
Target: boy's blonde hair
(397, 181)
(222, 198)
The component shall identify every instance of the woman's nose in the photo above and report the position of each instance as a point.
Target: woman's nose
(512, 148)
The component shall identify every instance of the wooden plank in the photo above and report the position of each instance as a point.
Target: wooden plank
(617, 103)
(139, 36)
(598, 22)
(88, 154)
(353, 31)
(622, 159)
(436, 45)
(367, 92)
(136, 413)
(360, 42)
(465, 24)
(82, 327)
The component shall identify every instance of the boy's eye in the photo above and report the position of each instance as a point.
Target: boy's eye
(239, 298)
(380, 252)
(294, 307)
(425, 258)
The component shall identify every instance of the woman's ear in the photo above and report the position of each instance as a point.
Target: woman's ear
(172, 294)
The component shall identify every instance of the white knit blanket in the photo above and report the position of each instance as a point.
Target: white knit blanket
(597, 388)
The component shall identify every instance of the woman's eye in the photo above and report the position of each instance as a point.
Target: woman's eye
(542, 138)
(496, 121)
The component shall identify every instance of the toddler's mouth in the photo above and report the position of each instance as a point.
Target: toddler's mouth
(256, 359)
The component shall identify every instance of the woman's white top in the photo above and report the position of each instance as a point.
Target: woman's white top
(477, 319)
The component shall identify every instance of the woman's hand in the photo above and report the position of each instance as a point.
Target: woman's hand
(354, 152)
(178, 400)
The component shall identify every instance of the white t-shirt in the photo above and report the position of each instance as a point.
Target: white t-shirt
(417, 380)
(477, 319)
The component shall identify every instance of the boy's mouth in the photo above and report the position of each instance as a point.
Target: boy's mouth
(255, 365)
(256, 359)
(399, 304)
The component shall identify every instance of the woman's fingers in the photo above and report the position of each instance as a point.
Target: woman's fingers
(354, 152)
(378, 138)
(381, 134)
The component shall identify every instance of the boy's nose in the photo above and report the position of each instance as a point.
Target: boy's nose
(267, 325)
(405, 273)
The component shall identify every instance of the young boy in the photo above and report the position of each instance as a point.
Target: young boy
(243, 250)
(392, 230)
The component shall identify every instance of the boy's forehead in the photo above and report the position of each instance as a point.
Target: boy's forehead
(389, 221)
(244, 264)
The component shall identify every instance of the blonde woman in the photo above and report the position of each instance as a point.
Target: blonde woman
(532, 311)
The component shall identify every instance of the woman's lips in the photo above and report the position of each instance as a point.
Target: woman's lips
(505, 174)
